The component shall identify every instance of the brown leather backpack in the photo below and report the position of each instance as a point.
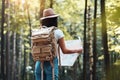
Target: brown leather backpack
(44, 45)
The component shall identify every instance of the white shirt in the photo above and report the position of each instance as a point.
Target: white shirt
(58, 34)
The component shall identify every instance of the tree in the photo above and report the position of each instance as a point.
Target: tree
(85, 44)
(2, 39)
(90, 46)
(42, 7)
(14, 57)
(51, 3)
(8, 43)
(94, 41)
(20, 54)
(104, 40)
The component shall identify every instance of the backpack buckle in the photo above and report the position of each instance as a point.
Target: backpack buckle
(47, 58)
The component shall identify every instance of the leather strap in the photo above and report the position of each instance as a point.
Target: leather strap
(59, 57)
(42, 70)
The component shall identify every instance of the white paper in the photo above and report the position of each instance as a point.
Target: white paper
(69, 59)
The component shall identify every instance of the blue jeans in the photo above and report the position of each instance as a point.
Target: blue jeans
(47, 70)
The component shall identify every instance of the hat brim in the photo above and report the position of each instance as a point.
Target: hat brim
(49, 17)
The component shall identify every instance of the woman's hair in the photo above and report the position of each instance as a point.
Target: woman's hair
(49, 22)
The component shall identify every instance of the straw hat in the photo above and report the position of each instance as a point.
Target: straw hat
(48, 13)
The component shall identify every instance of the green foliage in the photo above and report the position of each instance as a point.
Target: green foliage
(113, 20)
(71, 17)
(113, 23)
(113, 10)
(115, 71)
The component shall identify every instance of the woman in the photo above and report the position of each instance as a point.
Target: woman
(50, 19)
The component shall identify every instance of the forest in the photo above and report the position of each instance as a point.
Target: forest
(96, 22)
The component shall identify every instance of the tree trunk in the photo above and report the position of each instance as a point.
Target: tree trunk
(24, 67)
(94, 41)
(90, 49)
(85, 44)
(51, 3)
(29, 36)
(8, 44)
(2, 39)
(20, 55)
(8, 55)
(42, 7)
(14, 57)
(104, 40)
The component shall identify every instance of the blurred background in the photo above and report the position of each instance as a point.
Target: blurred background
(96, 22)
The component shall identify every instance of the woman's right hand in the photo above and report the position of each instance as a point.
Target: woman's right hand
(79, 51)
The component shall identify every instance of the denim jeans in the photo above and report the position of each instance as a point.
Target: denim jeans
(47, 70)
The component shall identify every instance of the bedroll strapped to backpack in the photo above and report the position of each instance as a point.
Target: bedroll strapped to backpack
(44, 46)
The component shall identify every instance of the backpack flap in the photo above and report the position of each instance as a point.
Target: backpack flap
(42, 31)
(43, 34)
